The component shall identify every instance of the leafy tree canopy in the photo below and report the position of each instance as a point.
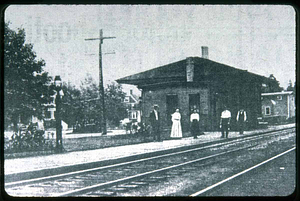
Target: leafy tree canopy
(25, 81)
(71, 109)
(82, 106)
(115, 109)
(272, 86)
(290, 87)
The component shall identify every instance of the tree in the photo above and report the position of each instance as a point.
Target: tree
(290, 87)
(25, 81)
(71, 104)
(90, 109)
(115, 108)
(85, 104)
(114, 96)
(89, 88)
(272, 86)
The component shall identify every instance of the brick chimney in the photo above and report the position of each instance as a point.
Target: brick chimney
(204, 52)
(189, 69)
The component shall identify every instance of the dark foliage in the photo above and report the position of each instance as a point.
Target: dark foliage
(29, 139)
(25, 83)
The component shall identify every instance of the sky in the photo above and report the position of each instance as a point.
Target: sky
(257, 38)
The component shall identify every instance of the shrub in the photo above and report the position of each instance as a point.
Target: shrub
(29, 139)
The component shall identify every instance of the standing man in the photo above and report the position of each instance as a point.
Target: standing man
(155, 122)
(241, 118)
(225, 122)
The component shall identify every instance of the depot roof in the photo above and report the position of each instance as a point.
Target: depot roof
(204, 70)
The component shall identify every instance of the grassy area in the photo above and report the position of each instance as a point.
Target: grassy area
(95, 142)
(88, 143)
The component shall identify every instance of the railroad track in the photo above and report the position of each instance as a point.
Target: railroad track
(121, 177)
(245, 171)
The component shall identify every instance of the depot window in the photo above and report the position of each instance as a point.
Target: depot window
(133, 116)
(48, 114)
(267, 110)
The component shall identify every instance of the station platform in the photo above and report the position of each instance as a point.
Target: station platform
(39, 163)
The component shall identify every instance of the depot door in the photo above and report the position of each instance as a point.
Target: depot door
(194, 103)
(172, 105)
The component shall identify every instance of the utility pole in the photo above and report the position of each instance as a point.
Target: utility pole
(101, 88)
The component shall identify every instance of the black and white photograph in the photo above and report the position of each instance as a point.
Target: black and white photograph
(135, 100)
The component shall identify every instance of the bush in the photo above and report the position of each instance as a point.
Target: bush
(29, 139)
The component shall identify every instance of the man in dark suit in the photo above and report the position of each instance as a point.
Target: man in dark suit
(155, 122)
(241, 118)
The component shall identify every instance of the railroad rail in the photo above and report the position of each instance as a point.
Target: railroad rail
(241, 173)
(105, 180)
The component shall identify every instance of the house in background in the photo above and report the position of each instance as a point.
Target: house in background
(49, 118)
(49, 114)
(278, 106)
(132, 102)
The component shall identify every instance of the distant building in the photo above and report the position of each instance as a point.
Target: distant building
(132, 103)
(201, 84)
(49, 117)
(278, 106)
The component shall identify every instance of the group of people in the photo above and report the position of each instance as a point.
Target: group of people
(176, 131)
(241, 119)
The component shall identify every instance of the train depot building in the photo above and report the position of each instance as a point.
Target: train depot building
(201, 84)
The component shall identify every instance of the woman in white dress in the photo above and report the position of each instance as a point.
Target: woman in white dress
(176, 127)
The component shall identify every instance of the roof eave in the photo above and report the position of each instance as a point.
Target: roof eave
(151, 80)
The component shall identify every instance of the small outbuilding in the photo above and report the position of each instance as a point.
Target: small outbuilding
(278, 106)
(201, 84)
